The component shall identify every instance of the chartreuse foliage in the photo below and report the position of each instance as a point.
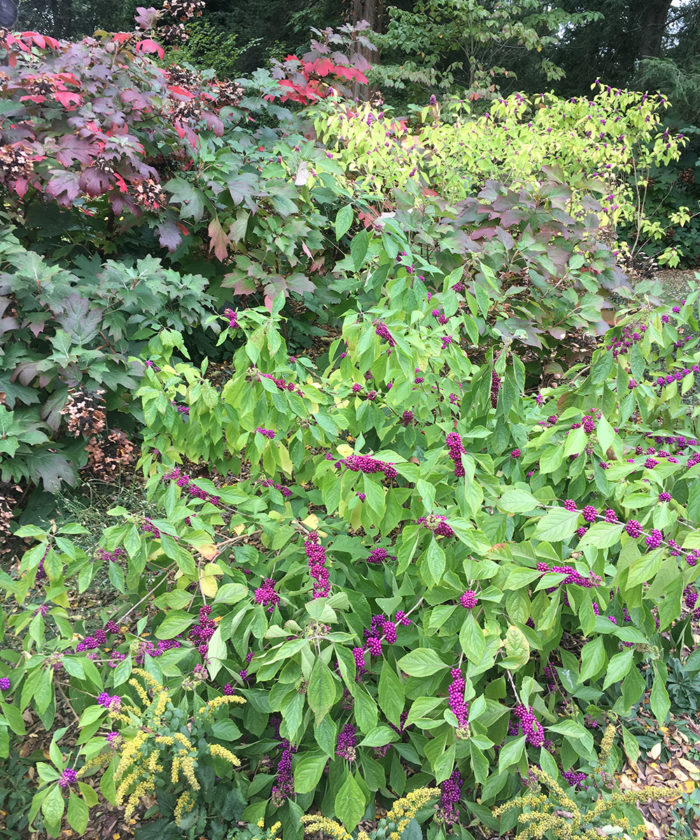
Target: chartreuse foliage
(399, 608)
(606, 144)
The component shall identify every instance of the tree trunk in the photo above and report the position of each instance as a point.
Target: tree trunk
(373, 12)
(654, 14)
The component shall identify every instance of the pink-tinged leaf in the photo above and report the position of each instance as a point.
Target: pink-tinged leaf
(122, 37)
(68, 98)
(146, 17)
(20, 186)
(213, 123)
(36, 328)
(137, 100)
(64, 186)
(148, 45)
(169, 235)
(305, 249)
(35, 98)
(243, 286)
(217, 240)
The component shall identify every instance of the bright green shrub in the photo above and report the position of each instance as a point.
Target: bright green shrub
(419, 496)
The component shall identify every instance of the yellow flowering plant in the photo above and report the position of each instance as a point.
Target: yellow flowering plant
(169, 754)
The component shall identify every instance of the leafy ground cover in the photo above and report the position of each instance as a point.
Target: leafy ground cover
(385, 511)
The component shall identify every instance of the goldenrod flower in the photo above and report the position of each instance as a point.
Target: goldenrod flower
(222, 752)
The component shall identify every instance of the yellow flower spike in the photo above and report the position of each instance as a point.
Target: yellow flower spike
(261, 823)
(187, 764)
(183, 806)
(275, 828)
(183, 739)
(222, 752)
(140, 691)
(175, 770)
(313, 822)
(224, 700)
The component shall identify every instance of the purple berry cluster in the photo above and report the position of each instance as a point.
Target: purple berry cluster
(114, 702)
(528, 724)
(316, 555)
(382, 331)
(266, 595)
(451, 790)
(285, 491)
(573, 577)
(67, 778)
(437, 524)
(367, 465)
(458, 706)
(469, 599)
(283, 787)
(456, 450)
(112, 556)
(183, 480)
(495, 388)
(281, 384)
(5, 683)
(347, 743)
(98, 638)
(202, 632)
(232, 318)
(267, 433)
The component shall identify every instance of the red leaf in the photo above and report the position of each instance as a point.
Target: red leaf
(180, 91)
(121, 37)
(148, 45)
(67, 98)
(37, 99)
(322, 67)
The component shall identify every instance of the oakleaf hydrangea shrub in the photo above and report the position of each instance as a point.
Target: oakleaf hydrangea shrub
(68, 365)
(415, 568)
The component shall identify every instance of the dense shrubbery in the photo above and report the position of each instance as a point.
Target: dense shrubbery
(443, 548)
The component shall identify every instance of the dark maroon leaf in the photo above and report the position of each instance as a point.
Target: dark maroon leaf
(64, 186)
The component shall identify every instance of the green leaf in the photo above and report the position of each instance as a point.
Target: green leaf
(358, 248)
(575, 442)
(321, 690)
(593, 659)
(511, 753)
(350, 803)
(390, 695)
(421, 662)
(602, 535)
(379, 737)
(659, 699)
(343, 221)
(173, 624)
(471, 640)
(52, 807)
(618, 667)
(308, 772)
(518, 501)
(78, 813)
(556, 525)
